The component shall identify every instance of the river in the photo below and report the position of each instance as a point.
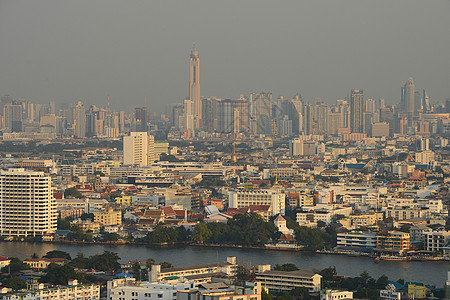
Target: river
(434, 273)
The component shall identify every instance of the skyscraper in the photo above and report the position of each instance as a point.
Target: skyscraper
(260, 113)
(189, 119)
(408, 96)
(141, 118)
(194, 86)
(13, 115)
(79, 116)
(357, 111)
(28, 206)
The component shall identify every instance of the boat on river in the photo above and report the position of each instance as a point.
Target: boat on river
(395, 258)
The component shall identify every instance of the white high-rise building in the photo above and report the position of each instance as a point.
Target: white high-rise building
(194, 86)
(27, 206)
(138, 149)
(275, 198)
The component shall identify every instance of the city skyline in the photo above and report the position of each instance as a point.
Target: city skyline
(87, 61)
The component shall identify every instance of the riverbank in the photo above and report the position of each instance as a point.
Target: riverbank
(420, 258)
(298, 249)
(431, 272)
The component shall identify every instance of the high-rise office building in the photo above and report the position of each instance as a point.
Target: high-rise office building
(194, 87)
(13, 116)
(407, 100)
(138, 149)
(141, 119)
(426, 102)
(370, 106)
(209, 114)
(260, 113)
(177, 115)
(79, 116)
(357, 111)
(295, 113)
(27, 204)
(226, 115)
(189, 118)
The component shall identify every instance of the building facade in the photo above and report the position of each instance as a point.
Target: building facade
(27, 204)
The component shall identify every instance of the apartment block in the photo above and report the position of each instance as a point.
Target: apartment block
(285, 281)
(275, 198)
(27, 204)
(108, 217)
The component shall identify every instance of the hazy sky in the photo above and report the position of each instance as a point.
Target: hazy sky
(138, 51)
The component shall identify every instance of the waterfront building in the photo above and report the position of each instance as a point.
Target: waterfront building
(394, 241)
(435, 241)
(228, 268)
(27, 204)
(286, 281)
(4, 262)
(43, 263)
(108, 217)
(272, 197)
(357, 239)
(416, 291)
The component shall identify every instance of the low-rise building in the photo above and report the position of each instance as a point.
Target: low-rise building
(285, 281)
(394, 241)
(71, 292)
(228, 268)
(335, 295)
(222, 291)
(357, 239)
(275, 198)
(108, 217)
(436, 240)
(43, 263)
(130, 289)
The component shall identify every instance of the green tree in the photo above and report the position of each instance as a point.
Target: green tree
(63, 224)
(80, 261)
(301, 293)
(286, 267)
(265, 295)
(111, 237)
(58, 254)
(382, 282)
(166, 265)
(15, 283)
(244, 274)
(72, 193)
(60, 274)
(107, 261)
(201, 233)
(15, 266)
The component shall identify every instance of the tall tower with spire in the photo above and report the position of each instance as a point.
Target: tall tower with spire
(194, 86)
(408, 96)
